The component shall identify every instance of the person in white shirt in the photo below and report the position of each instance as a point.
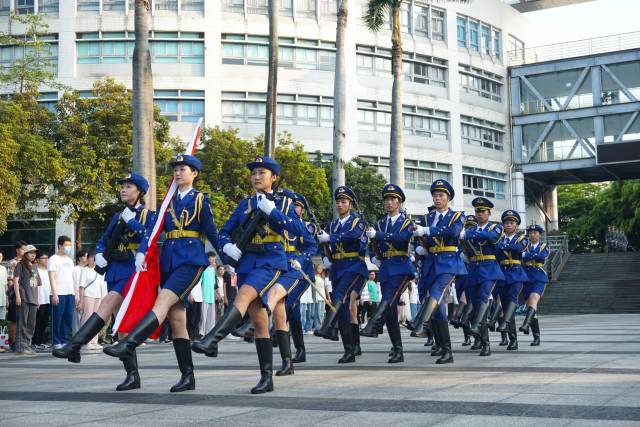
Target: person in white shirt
(91, 291)
(3, 288)
(81, 262)
(306, 310)
(44, 298)
(414, 299)
(63, 295)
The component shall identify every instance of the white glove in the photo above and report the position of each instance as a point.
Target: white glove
(420, 250)
(371, 232)
(127, 215)
(326, 263)
(230, 269)
(266, 205)
(232, 250)
(376, 261)
(323, 237)
(296, 265)
(140, 264)
(100, 261)
(420, 231)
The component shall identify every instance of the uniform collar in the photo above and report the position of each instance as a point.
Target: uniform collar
(183, 194)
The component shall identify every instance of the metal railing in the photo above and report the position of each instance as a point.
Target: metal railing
(574, 48)
(559, 245)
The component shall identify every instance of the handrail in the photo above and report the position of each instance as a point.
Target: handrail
(559, 245)
(572, 49)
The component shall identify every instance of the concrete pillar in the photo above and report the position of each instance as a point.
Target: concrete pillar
(518, 198)
(550, 198)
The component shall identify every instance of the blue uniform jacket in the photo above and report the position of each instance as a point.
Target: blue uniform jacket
(348, 245)
(510, 250)
(192, 214)
(534, 260)
(442, 243)
(138, 229)
(393, 242)
(482, 243)
(308, 248)
(282, 218)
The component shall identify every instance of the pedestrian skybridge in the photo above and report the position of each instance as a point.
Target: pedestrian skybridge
(577, 119)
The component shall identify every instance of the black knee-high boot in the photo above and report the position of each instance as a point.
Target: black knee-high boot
(373, 325)
(132, 380)
(467, 336)
(446, 355)
(327, 329)
(126, 346)
(484, 337)
(496, 310)
(509, 310)
(455, 321)
(479, 318)
(397, 355)
(464, 319)
(346, 334)
(535, 329)
(71, 350)
(208, 345)
(187, 381)
(436, 349)
(264, 348)
(531, 312)
(357, 350)
(285, 353)
(423, 317)
(298, 341)
(513, 333)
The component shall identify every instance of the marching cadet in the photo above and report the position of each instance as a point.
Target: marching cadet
(534, 258)
(348, 271)
(182, 261)
(295, 281)
(259, 265)
(123, 235)
(390, 239)
(438, 235)
(484, 267)
(461, 319)
(509, 253)
(308, 247)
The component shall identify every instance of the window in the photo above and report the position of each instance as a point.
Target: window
(374, 115)
(425, 122)
(88, 5)
(180, 105)
(479, 36)
(235, 6)
(482, 133)
(481, 182)
(192, 5)
(117, 47)
(47, 6)
(306, 9)
(516, 50)
(113, 5)
(170, 5)
(376, 61)
(297, 110)
(258, 7)
(418, 174)
(47, 57)
(328, 10)
(49, 100)
(481, 83)
(24, 6)
(5, 7)
(293, 53)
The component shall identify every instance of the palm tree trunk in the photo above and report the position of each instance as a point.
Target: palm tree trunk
(143, 147)
(339, 97)
(396, 147)
(272, 85)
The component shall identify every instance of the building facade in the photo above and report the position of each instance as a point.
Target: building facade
(210, 59)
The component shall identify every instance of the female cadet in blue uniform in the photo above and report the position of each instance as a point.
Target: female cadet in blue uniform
(307, 248)
(465, 307)
(391, 236)
(534, 258)
(182, 262)
(119, 268)
(438, 235)
(260, 266)
(348, 271)
(509, 253)
(299, 250)
(484, 268)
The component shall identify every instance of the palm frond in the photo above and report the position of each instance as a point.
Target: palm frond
(377, 10)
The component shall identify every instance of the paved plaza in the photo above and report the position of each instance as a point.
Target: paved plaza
(586, 372)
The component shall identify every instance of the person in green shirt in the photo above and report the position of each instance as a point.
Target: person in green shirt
(208, 294)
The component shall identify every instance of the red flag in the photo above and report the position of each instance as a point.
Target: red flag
(142, 289)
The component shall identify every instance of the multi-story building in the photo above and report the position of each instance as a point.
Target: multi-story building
(210, 59)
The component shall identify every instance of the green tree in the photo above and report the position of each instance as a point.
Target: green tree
(9, 178)
(32, 65)
(94, 136)
(575, 203)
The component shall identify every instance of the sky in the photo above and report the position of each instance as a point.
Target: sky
(586, 20)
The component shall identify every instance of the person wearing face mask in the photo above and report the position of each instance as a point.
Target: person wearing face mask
(534, 257)
(63, 297)
(393, 234)
(438, 234)
(482, 240)
(347, 241)
(125, 232)
(259, 264)
(509, 253)
(187, 219)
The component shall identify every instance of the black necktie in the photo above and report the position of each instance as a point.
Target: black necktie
(439, 218)
(389, 225)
